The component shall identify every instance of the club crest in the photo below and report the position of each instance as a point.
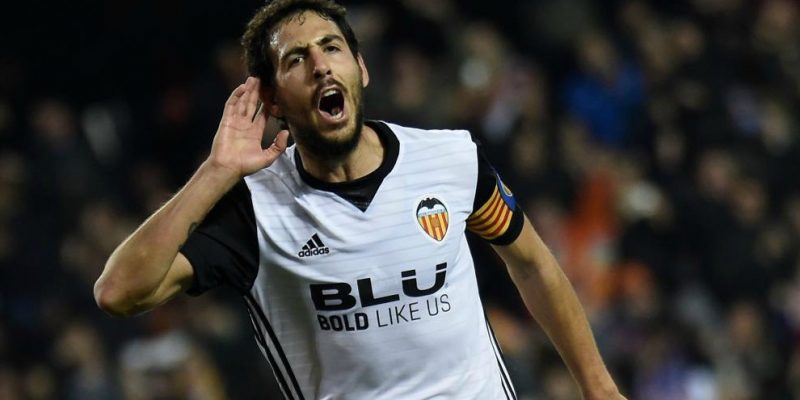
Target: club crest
(433, 218)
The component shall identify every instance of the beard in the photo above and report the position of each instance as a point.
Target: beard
(332, 149)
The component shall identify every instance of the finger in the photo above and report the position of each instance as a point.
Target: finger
(260, 120)
(259, 110)
(241, 106)
(235, 96)
(252, 96)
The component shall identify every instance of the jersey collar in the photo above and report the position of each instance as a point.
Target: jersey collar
(361, 191)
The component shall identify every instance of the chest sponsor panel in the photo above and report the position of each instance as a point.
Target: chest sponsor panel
(355, 306)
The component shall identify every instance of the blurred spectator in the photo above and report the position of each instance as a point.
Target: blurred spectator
(607, 92)
(168, 367)
(81, 355)
(654, 144)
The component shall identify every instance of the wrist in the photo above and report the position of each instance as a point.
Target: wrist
(213, 175)
(604, 391)
(598, 385)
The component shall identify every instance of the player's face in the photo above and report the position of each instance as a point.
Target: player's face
(318, 85)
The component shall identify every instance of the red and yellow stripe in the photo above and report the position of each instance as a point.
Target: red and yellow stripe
(492, 219)
(435, 225)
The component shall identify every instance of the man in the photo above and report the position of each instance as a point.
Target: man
(349, 247)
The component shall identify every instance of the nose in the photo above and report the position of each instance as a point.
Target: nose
(321, 66)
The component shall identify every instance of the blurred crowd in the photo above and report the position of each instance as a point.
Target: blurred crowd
(655, 144)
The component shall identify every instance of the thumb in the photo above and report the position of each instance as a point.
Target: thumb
(278, 145)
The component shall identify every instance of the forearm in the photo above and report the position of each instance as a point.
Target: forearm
(550, 298)
(139, 265)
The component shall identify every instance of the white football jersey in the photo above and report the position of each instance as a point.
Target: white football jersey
(366, 289)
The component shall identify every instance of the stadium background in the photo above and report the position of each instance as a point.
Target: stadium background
(655, 145)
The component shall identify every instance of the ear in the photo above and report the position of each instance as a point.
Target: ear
(364, 72)
(267, 95)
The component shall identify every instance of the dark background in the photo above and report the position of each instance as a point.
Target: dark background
(654, 143)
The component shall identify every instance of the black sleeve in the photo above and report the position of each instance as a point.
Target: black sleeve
(496, 214)
(224, 247)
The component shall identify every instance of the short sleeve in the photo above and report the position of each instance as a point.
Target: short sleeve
(223, 250)
(496, 215)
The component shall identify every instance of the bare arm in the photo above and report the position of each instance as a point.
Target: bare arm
(552, 301)
(147, 269)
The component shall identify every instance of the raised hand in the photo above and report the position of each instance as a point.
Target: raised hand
(237, 144)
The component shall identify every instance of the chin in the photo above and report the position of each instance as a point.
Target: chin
(334, 144)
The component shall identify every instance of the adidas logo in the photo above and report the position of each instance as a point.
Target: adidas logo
(314, 247)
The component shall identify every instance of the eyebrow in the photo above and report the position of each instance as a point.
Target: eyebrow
(331, 37)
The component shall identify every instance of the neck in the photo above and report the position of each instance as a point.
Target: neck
(365, 158)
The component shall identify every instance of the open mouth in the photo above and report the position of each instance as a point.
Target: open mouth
(332, 103)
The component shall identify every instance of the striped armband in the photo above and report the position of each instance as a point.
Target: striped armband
(499, 219)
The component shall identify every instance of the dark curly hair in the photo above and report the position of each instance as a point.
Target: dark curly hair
(255, 39)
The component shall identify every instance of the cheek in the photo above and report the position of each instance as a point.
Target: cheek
(357, 89)
(290, 100)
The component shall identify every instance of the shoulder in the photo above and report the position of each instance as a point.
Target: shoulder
(453, 147)
(442, 149)
(405, 133)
